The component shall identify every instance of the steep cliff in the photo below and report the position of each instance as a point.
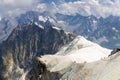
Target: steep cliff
(40, 72)
(25, 43)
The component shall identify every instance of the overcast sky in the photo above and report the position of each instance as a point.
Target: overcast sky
(97, 8)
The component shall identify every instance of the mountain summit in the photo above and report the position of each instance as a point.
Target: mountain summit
(28, 41)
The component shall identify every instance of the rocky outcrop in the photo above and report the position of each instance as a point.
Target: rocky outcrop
(115, 51)
(105, 69)
(40, 72)
(25, 43)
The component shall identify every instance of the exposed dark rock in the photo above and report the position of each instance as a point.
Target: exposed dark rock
(115, 51)
(40, 72)
(28, 41)
(1, 78)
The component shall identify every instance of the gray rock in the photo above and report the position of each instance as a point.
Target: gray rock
(40, 72)
(115, 51)
(25, 43)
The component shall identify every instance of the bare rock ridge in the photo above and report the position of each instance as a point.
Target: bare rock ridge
(40, 72)
(25, 43)
(115, 51)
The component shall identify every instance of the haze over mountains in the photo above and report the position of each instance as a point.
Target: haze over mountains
(101, 17)
(32, 39)
(104, 31)
(97, 8)
(59, 39)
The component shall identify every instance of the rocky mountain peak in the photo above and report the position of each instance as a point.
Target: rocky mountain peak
(28, 41)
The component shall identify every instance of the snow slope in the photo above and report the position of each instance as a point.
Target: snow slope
(81, 60)
(79, 50)
(105, 69)
(82, 49)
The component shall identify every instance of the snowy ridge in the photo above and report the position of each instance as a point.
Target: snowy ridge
(42, 27)
(39, 25)
(41, 18)
(83, 49)
(45, 18)
(0, 18)
(105, 69)
(79, 50)
(56, 61)
(56, 28)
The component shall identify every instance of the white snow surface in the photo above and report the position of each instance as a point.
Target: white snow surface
(78, 51)
(82, 49)
(41, 18)
(0, 18)
(69, 62)
(105, 69)
(44, 19)
(56, 28)
(39, 25)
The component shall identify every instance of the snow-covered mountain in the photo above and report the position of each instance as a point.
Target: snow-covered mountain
(68, 64)
(76, 58)
(25, 43)
(81, 59)
(59, 39)
(104, 69)
(7, 24)
(104, 31)
(79, 50)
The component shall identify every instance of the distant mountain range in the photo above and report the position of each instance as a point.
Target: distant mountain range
(104, 31)
(35, 47)
(60, 40)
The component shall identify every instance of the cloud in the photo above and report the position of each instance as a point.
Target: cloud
(40, 7)
(16, 7)
(7, 1)
(97, 8)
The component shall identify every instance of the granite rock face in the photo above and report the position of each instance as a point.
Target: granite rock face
(25, 43)
(40, 72)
